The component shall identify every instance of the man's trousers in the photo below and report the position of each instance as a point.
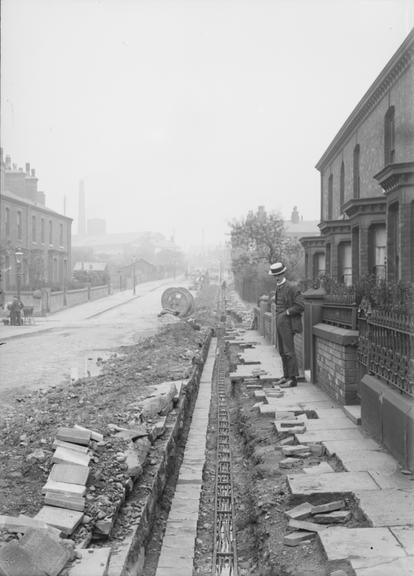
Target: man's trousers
(286, 346)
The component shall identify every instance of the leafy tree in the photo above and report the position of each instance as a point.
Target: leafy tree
(259, 240)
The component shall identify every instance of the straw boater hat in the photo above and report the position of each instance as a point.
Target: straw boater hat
(277, 269)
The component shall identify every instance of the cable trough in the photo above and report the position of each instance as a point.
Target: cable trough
(225, 551)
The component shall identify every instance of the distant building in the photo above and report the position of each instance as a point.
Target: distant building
(96, 227)
(367, 184)
(28, 226)
(297, 227)
(96, 273)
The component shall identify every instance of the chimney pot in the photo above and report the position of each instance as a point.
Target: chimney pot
(14, 166)
(33, 172)
(28, 168)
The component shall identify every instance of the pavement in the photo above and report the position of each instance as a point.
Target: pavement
(384, 492)
(79, 313)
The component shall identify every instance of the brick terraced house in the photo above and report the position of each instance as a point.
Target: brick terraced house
(367, 184)
(41, 236)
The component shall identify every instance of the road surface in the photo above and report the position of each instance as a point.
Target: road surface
(70, 349)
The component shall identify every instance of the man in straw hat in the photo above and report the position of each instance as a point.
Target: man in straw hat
(289, 308)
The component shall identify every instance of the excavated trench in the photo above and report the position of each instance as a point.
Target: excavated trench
(241, 520)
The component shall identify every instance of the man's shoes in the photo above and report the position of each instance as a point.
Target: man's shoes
(289, 383)
(281, 381)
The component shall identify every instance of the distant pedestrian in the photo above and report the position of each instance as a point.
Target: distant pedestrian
(289, 309)
(15, 308)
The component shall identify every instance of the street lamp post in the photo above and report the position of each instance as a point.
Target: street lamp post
(19, 259)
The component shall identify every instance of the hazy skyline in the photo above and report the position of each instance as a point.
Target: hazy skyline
(181, 115)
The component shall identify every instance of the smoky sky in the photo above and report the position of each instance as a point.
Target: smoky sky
(182, 115)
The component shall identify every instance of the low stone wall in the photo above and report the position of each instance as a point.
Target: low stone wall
(75, 297)
(335, 362)
(388, 416)
(55, 301)
(96, 292)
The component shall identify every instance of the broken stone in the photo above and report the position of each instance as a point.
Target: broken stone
(296, 538)
(133, 463)
(20, 524)
(16, 561)
(284, 415)
(104, 527)
(289, 462)
(37, 454)
(303, 525)
(120, 457)
(329, 507)
(317, 449)
(93, 562)
(297, 450)
(287, 441)
(74, 435)
(50, 555)
(336, 517)
(158, 429)
(299, 512)
(298, 429)
(93, 435)
(132, 434)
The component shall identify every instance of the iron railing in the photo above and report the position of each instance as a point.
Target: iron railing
(386, 347)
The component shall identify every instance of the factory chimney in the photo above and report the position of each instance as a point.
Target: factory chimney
(82, 210)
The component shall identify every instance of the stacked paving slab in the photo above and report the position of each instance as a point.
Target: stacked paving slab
(309, 425)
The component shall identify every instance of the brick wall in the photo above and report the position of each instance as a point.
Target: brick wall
(336, 367)
(299, 349)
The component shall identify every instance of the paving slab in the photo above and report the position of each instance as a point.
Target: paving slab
(328, 507)
(343, 445)
(405, 536)
(70, 473)
(334, 434)
(65, 456)
(368, 460)
(65, 487)
(307, 484)
(94, 435)
(321, 468)
(62, 518)
(306, 525)
(16, 561)
(299, 512)
(21, 524)
(399, 567)
(71, 446)
(92, 562)
(393, 481)
(335, 423)
(339, 516)
(329, 412)
(318, 405)
(365, 547)
(50, 555)
(296, 538)
(389, 508)
(61, 500)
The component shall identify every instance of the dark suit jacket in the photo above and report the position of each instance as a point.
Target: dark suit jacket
(292, 301)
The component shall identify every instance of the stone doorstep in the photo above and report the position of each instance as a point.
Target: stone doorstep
(93, 562)
(65, 520)
(364, 547)
(392, 508)
(353, 413)
(307, 484)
